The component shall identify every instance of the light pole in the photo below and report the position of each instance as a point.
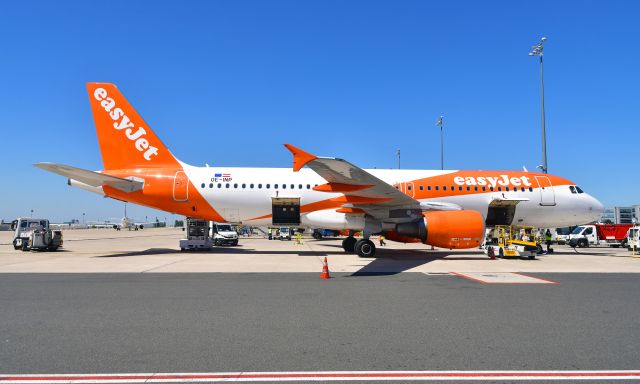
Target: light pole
(398, 153)
(83, 221)
(31, 214)
(440, 123)
(536, 50)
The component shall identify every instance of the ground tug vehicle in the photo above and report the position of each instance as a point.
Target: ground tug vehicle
(35, 235)
(613, 235)
(514, 241)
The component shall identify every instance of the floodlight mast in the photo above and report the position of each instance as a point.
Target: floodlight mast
(537, 50)
(440, 123)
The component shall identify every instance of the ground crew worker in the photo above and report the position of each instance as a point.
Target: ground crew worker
(382, 243)
(547, 239)
(270, 234)
(298, 238)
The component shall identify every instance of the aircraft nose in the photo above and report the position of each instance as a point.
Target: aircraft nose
(594, 207)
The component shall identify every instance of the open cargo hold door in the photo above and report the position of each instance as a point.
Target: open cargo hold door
(181, 186)
(285, 210)
(547, 194)
(502, 211)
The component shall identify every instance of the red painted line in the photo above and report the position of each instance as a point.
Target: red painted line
(548, 281)
(469, 278)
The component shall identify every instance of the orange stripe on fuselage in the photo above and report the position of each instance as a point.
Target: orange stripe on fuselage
(158, 193)
(452, 182)
(448, 180)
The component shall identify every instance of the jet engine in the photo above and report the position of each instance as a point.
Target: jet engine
(443, 229)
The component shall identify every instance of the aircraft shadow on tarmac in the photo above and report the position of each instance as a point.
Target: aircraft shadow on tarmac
(387, 262)
(214, 251)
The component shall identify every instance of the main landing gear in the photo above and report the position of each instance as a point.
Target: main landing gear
(363, 247)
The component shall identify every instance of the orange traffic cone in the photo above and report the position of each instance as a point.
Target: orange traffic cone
(325, 270)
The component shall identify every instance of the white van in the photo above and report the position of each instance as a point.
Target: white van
(633, 239)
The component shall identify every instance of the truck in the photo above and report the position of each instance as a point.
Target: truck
(613, 235)
(223, 234)
(35, 235)
(633, 239)
(284, 233)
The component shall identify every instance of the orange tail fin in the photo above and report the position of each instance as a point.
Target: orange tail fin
(126, 141)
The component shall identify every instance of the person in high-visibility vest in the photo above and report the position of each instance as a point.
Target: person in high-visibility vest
(547, 239)
(382, 243)
(299, 238)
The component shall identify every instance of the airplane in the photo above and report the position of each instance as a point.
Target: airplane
(443, 208)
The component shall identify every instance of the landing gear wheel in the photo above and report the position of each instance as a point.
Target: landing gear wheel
(317, 235)
(365, 248)
(539, 249)
(348, 244)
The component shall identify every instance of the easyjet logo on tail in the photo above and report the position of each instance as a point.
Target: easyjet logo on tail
(493, 181)
(122, 122)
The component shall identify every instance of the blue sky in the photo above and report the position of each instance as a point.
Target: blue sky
(227, 82)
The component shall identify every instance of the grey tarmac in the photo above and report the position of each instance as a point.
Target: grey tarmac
(222, 322)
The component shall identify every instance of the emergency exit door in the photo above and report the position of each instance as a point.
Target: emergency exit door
(181, 187)
(547, 195)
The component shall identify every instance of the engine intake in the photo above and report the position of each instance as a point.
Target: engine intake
(443, 229)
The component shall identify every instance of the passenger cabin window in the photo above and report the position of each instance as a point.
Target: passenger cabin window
(308, 186)
(507, 189)
(284, 186)
(202, 185)
(444, 187)
(275, 186)
(437, 188)
(235, 185)
(227, 185)
(268, 186)
(211, 185)
(408, 187)
(468, 188)
(299, 186)
(530, 189)
(219, 185)
(421, 188)
(499, 188)
(251, 186)
(259, 186)
(428, 187)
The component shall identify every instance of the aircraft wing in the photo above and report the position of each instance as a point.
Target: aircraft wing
(94, 179)
(361, 190)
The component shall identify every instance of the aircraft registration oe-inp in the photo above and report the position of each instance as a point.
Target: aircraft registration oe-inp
(447, 209)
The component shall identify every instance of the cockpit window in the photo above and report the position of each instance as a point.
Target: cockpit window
(573, 189)
(579, 190)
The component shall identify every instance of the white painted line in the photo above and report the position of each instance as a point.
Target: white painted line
(319, 376)
(502, 278)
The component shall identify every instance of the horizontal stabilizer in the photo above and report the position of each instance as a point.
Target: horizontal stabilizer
(94, 179)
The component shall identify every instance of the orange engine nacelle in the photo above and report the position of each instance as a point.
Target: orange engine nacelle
(443, 229)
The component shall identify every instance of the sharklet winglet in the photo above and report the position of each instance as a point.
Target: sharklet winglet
(300, 157)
